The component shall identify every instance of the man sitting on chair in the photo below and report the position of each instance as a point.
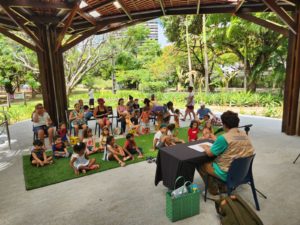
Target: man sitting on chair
(227, 147)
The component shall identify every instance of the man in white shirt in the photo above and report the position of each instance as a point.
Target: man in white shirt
(42, 123)
(91, 98)
(190, 103)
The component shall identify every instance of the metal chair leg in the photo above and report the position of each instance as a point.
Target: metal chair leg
(254, 195)
(296, 158)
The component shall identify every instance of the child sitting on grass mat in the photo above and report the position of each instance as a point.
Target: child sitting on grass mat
(103, 138)
(131, 146)
(208, 132)
(38, 155)
(161, 139)
(80, 161)
(89, 141)
(193, 131)
(116, 152)
(59, 148)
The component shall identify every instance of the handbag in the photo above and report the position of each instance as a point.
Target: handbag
(181, 190)
(186, 202)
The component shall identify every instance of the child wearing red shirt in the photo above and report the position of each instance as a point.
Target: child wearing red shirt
(131, 146)
(193, 131)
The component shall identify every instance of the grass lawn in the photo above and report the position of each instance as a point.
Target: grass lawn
(61, 171)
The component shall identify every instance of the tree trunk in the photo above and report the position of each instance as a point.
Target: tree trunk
(52, 77)
(205, 55)
(252, 86)
(247, 73)
(191, 82)
(246, 68)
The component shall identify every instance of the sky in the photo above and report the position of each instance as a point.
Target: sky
(162, 39)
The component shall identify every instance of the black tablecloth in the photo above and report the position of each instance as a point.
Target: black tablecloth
(178, 160)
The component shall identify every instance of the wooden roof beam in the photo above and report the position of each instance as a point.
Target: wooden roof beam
(282, 14)
(124, 9)
(36, 4)
(17, 21)
(67, 25)
(264, 23)
(239, 5)
(87, 17)
(17, 39)
(198, 6)
(162, 7)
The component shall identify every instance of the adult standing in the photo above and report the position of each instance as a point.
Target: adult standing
(101, 113)
(122, 109)
(190, 102)
(227, 147)
(42, 123)
(77, 119)
(91, 98)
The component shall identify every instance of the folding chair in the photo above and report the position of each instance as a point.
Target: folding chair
(240, 172)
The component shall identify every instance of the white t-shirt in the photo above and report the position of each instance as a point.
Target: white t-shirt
(43, 120)
(158, 135)
(191, 94)
(80, 160)
(91, 94)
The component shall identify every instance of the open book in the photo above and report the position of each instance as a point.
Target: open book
(198, 147)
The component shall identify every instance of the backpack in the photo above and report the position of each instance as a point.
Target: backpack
(233, 210)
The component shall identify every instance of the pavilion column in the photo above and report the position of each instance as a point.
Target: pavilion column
(52, 76)
(291, 107)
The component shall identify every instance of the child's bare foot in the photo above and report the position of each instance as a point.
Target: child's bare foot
(126, 158)
(132, 157)
(140, 156)
(94, 167)
(122, 163)
(84, 171)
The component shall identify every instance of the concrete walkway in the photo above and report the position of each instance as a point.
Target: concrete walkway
(128, 195)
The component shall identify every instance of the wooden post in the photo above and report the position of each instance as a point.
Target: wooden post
(291, 107)
(52, 74)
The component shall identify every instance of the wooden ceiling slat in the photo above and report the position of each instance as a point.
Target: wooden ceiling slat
(45, 12)
(37, 4)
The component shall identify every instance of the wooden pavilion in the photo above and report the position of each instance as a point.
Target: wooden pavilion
(55, 26)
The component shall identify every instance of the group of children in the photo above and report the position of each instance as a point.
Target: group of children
(167, 134)
(137, 121)
(80, 161)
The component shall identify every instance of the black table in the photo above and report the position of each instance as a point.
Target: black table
(178, 160)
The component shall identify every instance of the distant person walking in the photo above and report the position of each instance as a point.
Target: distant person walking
(91, 98)
(190, 102)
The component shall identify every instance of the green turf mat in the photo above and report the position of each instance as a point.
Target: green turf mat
(61, 171)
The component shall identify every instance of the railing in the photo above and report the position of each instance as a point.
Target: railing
(4, 129)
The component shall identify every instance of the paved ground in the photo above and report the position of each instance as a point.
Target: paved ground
(128, 195)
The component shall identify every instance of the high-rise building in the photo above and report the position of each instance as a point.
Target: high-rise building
(153, 27)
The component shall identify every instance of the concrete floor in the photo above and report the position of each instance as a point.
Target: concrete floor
(128, 195)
